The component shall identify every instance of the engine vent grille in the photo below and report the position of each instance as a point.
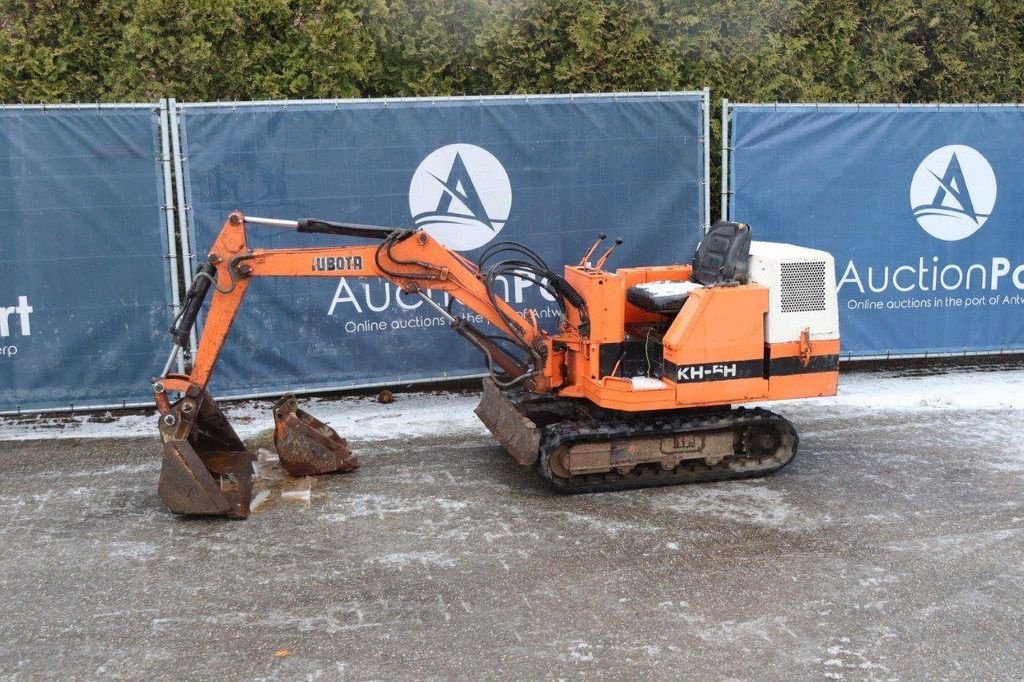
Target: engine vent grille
(803, 287)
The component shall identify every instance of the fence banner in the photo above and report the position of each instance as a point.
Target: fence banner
(83, 271)
(550, 172)
(919, 205)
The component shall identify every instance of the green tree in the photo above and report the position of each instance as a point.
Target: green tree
(58, 50)
(577, 46)
(245, 49)
(974, 51)
(746, 50)
(427, 47)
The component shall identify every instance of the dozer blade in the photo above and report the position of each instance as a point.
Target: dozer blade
(516, 432)
(206, 470)
(305, 445)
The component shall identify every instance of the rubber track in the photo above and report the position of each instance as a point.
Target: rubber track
(648, 475)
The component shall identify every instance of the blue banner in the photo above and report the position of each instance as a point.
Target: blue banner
(917, 204)
(550, 172)
(83, 274)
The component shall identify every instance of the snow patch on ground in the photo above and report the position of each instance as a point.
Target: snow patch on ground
(131, 551)
(897, 391)
(357, 418)
(379, 506)
(959, 543)
(745, 501)
(448, 414)
(581, 652)
(610, 527)
(403, 559)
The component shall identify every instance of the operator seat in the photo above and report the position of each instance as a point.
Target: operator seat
(721, 257)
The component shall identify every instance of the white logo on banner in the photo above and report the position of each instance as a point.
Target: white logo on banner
(21, 312)
(8, 314)
(953, 192)
(461, 195)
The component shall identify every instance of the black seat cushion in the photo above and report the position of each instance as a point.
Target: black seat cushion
(660, 297)
(723, 254)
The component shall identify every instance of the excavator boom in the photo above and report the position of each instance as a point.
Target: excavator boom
(411, 259)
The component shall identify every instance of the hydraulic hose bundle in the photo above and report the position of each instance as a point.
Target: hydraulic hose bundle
(532, 267)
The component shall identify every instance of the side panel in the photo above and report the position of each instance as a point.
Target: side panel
(793, 376)
(605, 296)
(714, 350)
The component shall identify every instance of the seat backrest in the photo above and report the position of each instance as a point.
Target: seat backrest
(723, 254)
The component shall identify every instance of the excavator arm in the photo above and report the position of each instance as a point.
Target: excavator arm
(206, 468)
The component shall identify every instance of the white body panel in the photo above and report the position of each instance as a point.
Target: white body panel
(801, 291)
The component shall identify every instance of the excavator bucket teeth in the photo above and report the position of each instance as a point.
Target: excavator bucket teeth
(515, 431)
(305, 445)
(206, 469)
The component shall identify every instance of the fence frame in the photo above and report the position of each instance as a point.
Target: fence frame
(161, 109)
(176, 212)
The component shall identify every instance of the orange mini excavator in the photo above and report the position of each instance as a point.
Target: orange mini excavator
(636, 388)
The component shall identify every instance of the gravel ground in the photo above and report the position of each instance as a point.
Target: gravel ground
(891, 548)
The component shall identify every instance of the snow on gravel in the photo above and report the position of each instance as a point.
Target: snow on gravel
(356, 418)
(442, 413)
(961, 389)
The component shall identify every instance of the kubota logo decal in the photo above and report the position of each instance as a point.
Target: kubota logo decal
(953, 192)
(461, 195)
(334, 263)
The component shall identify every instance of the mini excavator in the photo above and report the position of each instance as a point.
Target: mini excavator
(637, 387)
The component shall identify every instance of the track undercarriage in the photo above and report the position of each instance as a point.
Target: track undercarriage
(579, 448)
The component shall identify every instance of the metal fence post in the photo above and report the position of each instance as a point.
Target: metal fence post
(187, 258)
(168, 208)
(726, 148)
(706, 107)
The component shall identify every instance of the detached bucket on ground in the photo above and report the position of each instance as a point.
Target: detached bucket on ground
(206, 468)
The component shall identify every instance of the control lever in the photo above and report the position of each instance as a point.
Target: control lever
(604, 257)
(600, 238)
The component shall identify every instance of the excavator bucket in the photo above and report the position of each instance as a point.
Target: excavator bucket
(206, 468)
(305, 445)
(516, 432)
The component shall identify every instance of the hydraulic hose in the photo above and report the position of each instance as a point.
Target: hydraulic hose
(182, 327)
(574, 299)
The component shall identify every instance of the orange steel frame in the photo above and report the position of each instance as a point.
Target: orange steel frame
(716, 325)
